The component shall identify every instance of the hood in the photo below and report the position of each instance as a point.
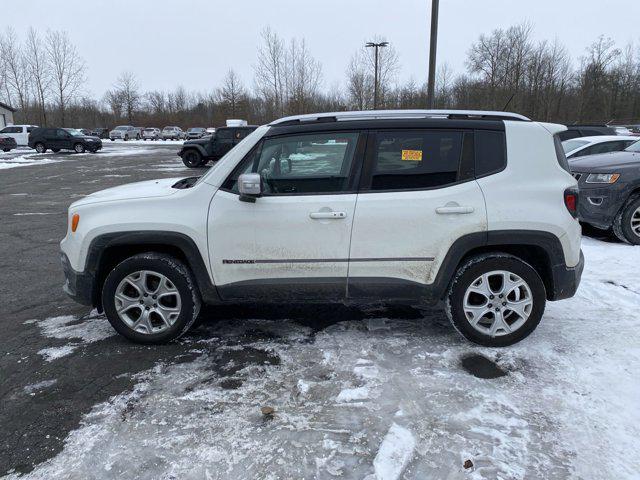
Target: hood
(605, 161)
(199, 141)
(131, 191)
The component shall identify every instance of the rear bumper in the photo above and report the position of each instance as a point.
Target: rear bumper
(79, 286)
(566, 280)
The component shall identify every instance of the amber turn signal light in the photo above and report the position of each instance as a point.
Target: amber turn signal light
(74, 222)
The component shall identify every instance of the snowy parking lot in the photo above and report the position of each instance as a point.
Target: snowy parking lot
(379, 392)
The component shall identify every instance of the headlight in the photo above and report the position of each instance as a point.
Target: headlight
(603, 178)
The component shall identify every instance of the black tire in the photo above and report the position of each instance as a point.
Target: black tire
(137, 137)
(55, 150)
(622, 227)
(6, 149)
(126, 138)
(176, 272)
(472, 270)
(192, 159)
(40, 147)
(78, 148)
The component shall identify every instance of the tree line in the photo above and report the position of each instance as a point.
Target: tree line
(45, 78)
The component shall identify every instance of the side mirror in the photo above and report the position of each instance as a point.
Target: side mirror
(250, 187)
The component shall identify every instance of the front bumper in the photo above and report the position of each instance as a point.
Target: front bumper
(566, 280)
(78, 285)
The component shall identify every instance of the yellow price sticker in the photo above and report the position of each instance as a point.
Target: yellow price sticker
(412, 155)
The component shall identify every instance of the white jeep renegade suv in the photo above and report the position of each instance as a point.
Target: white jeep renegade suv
(477, 209)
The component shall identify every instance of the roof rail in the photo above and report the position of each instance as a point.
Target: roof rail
(398, 114)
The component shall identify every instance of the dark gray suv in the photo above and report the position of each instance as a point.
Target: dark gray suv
(610, 191)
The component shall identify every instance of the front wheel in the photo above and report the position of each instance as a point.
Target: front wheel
(126, 138)
(151, 298)
(192, 159)
(626, 225)
(40, 148)
(79, 148)
(6, 149)
(496, 300)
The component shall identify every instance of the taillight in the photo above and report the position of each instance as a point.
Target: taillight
(571, 201)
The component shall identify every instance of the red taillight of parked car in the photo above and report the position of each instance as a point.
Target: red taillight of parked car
(571, 201)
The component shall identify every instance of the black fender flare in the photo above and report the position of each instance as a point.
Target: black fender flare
(140, 240)
(199, 148)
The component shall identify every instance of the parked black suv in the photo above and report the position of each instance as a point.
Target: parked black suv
(196, 153)
(609, 187)
(575, 131)
(58, 139)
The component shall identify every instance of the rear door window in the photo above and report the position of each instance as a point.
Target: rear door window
(417, 159)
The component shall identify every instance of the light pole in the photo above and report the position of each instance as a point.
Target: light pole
(432, 53)
(375, 75)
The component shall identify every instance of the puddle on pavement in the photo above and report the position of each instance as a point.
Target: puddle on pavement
(481, 367)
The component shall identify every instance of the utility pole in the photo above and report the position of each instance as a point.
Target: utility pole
(432, 53)
(375, 75)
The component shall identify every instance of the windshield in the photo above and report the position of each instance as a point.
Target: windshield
(121, 128)
(74, 132)
(149, 129)
(569, 145)
(634, 147)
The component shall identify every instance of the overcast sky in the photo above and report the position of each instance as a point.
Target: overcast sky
(194, 42)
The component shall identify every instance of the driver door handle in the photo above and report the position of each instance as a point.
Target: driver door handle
(328, 215)
(455, 209)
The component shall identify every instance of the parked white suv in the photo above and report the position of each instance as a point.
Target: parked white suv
(362, 207)
(20, 133)
(125, 132)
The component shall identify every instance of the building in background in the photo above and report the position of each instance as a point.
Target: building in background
(6, 115)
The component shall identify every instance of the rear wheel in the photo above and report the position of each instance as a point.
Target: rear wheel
(626, 225)
(496, 300)
(151, 298)
(40, 147)
(78, 148)
(192, 159)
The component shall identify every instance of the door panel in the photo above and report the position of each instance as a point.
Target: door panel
(404, 236)
(277, 242)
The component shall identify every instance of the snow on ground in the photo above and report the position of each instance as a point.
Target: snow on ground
(25, 161)
(384, 398)
(80, 330)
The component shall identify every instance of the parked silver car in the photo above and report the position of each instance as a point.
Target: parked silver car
(196, 132)
(124, 132)
(151, 133)
(172, 133)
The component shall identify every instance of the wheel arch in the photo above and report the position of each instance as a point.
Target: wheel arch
(106, 251)
(199, 148)
(542, 250)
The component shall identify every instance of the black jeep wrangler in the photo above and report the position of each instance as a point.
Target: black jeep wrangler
(196, 153)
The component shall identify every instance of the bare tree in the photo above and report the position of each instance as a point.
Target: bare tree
(15, 69)
(127, 88)
(269, 75)
(39, 71)
(302, 76)
(67, 69)
(232, 92)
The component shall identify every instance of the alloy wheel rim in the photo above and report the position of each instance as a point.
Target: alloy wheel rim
(147, 302)
(79, 148)
(498, 303)
(635, 222)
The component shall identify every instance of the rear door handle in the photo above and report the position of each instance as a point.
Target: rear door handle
(328, 215)
(457, 209)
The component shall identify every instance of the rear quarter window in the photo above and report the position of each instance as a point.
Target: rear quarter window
(490, 152)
